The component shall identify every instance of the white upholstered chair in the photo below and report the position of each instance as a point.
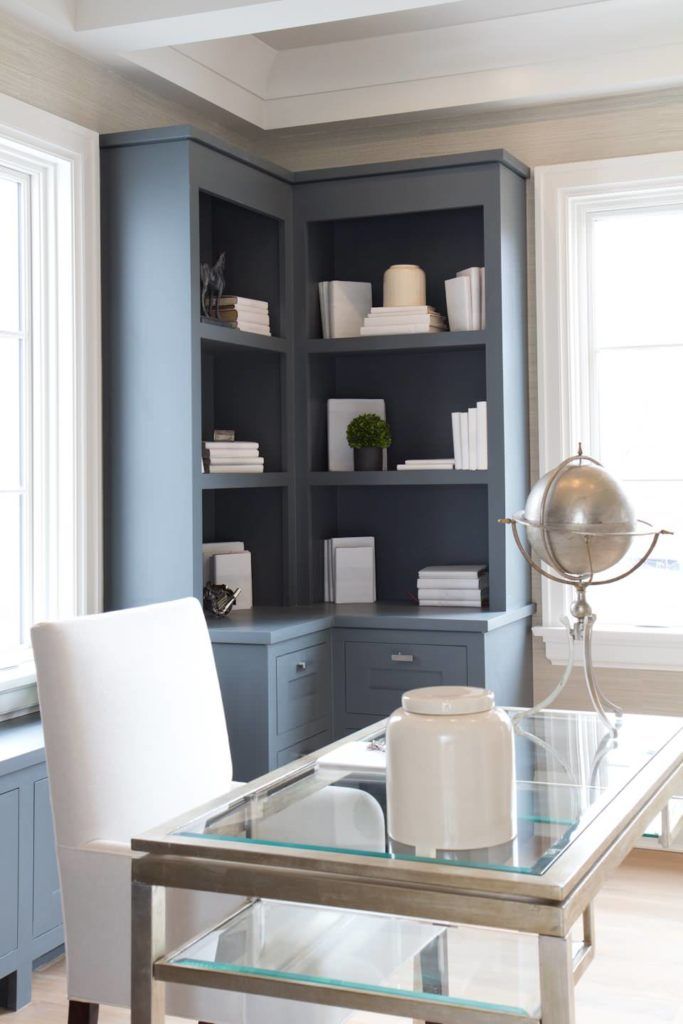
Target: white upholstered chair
(135, 734)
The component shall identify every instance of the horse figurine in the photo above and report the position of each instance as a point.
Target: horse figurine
(213, 285)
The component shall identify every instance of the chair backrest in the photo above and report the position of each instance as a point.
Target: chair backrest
(134, 725)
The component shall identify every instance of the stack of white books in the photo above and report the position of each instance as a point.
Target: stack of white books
(245, 314)
(343, 307)
(231, 457)
(470, 438)
(453, 586)
(466, 300)
(350, 570)
(403, 320)
(427, 464)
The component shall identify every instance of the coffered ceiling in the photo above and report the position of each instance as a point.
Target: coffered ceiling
(282, 63)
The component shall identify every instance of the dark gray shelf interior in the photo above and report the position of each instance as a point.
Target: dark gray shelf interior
(257, 516)
(252, 243)
(441, 241)
(412, 527)
(421, 390)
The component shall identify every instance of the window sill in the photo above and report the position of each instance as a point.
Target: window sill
(18, 691)
(631, 647)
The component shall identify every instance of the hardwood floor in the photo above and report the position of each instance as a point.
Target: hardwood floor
(636, 977)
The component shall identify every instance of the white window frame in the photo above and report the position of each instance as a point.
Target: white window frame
(60, 162)
(567, 196)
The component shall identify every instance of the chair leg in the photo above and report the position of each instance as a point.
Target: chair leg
(83, 1013)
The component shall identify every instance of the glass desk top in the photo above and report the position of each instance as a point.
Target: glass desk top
(568, 770)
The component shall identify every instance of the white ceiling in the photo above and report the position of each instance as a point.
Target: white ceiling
(282, 63)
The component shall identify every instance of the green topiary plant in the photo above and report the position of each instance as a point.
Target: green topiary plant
(368, 431)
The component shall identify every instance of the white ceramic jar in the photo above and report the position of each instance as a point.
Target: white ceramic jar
(450, 771)
(405, 284)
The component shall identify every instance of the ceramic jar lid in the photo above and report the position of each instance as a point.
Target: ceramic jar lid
(448, 700)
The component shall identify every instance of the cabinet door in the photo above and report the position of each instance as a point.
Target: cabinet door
(303, 688)
(377, 674)
(47, 911)
(9, 870)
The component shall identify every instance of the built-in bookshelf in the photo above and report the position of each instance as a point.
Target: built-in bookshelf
(173, 199)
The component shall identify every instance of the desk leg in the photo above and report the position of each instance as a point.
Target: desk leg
(557, 980)
(148, 939)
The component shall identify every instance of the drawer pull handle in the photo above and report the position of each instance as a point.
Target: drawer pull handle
(300, 666)
(402, 657)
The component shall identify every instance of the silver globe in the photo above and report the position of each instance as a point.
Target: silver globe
(578, 519)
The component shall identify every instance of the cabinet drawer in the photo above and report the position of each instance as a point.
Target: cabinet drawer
(302, 687)
(378, 674)
(301, 748)
(9, 871)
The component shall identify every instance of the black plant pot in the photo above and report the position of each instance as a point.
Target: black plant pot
(367, 459)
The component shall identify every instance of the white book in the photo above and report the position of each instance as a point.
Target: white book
(234, 460)
(444, 594)
(393, 310)
(473, 274)
(465, 439)
(457, 440)
(224, 547)
(472, 437)
(430, 462)
(247, 467)
(251, 328)
(236, 314)
(239, 300)
(340, 412)
(327, 571)
(450, 604)
(459, 303)
(354, 575)
(482, 436)
(230, 446)
(444, 583)
(399, 329)
(334, 544)
(323, 295)
(482, 278)
(453, 572)
(348, 304)
(425, 465)
(234, 570)
(426, 319)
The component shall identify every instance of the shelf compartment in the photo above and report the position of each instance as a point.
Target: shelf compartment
(256, 515)
(348, 958)
(252, 243)
(234, 481)
(420, 388)
(405, 478)
(216, 336)
(443, 341)
(412, 526)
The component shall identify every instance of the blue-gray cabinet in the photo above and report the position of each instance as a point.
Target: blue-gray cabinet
(30, 907)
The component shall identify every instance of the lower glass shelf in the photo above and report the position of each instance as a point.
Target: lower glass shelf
(403, 966)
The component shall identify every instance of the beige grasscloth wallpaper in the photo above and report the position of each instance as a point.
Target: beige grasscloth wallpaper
(40, 72)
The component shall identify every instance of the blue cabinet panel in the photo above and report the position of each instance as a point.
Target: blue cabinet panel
(47, 910)
(9, 871)
(303, 687)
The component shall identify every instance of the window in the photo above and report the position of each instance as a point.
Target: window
(610, 304)
(49, 383)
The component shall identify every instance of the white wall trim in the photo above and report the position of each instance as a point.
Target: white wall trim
(63, 159)
(566, 196)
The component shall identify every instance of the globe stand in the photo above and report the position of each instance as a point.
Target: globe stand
(594, 536)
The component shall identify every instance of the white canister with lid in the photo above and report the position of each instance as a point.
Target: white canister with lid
(405, 284)
(450, 771)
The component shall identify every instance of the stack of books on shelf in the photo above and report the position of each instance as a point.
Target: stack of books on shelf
(226, 455)
(453, 586)
(350, 570)
(470, 438)
(427, 464)
(245, 314)
(403, 320)
(466, 300)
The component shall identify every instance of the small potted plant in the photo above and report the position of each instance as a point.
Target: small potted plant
(368, 435)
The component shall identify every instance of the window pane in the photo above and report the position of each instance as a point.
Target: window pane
(636, 295)
(11, 558)
(11, 385)
(9, 255)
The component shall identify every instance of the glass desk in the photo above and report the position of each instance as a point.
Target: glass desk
(338, 914)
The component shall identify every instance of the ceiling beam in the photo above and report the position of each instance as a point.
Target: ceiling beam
(127, 25)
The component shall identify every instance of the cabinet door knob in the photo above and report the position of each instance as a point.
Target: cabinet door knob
(300, 666)
(402, 657)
